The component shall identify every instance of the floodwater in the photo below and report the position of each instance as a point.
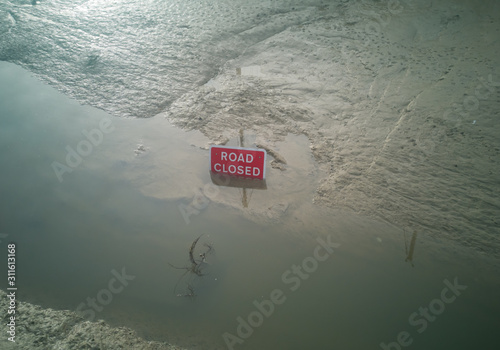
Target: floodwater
(335, 281)
(105, 208)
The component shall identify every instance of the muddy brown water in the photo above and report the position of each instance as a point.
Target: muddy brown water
(99, 231)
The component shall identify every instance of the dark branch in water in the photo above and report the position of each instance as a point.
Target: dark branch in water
(191, 250)
(195, 268)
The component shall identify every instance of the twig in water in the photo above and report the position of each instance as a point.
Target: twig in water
(195, 267)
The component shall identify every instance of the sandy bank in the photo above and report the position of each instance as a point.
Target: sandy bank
(38, 328)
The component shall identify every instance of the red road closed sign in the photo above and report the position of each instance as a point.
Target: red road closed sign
(237, 161)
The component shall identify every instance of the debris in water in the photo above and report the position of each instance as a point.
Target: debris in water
(195, 268)
(279, 161)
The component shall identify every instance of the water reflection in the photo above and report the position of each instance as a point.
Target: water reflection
(239, 182)
(409, 251)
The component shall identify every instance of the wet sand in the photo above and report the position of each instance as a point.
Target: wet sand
(39, 328)
(400, 105)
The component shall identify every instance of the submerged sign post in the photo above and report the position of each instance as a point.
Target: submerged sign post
(238, 161)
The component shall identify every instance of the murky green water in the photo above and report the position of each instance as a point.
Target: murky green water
(118, 211)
